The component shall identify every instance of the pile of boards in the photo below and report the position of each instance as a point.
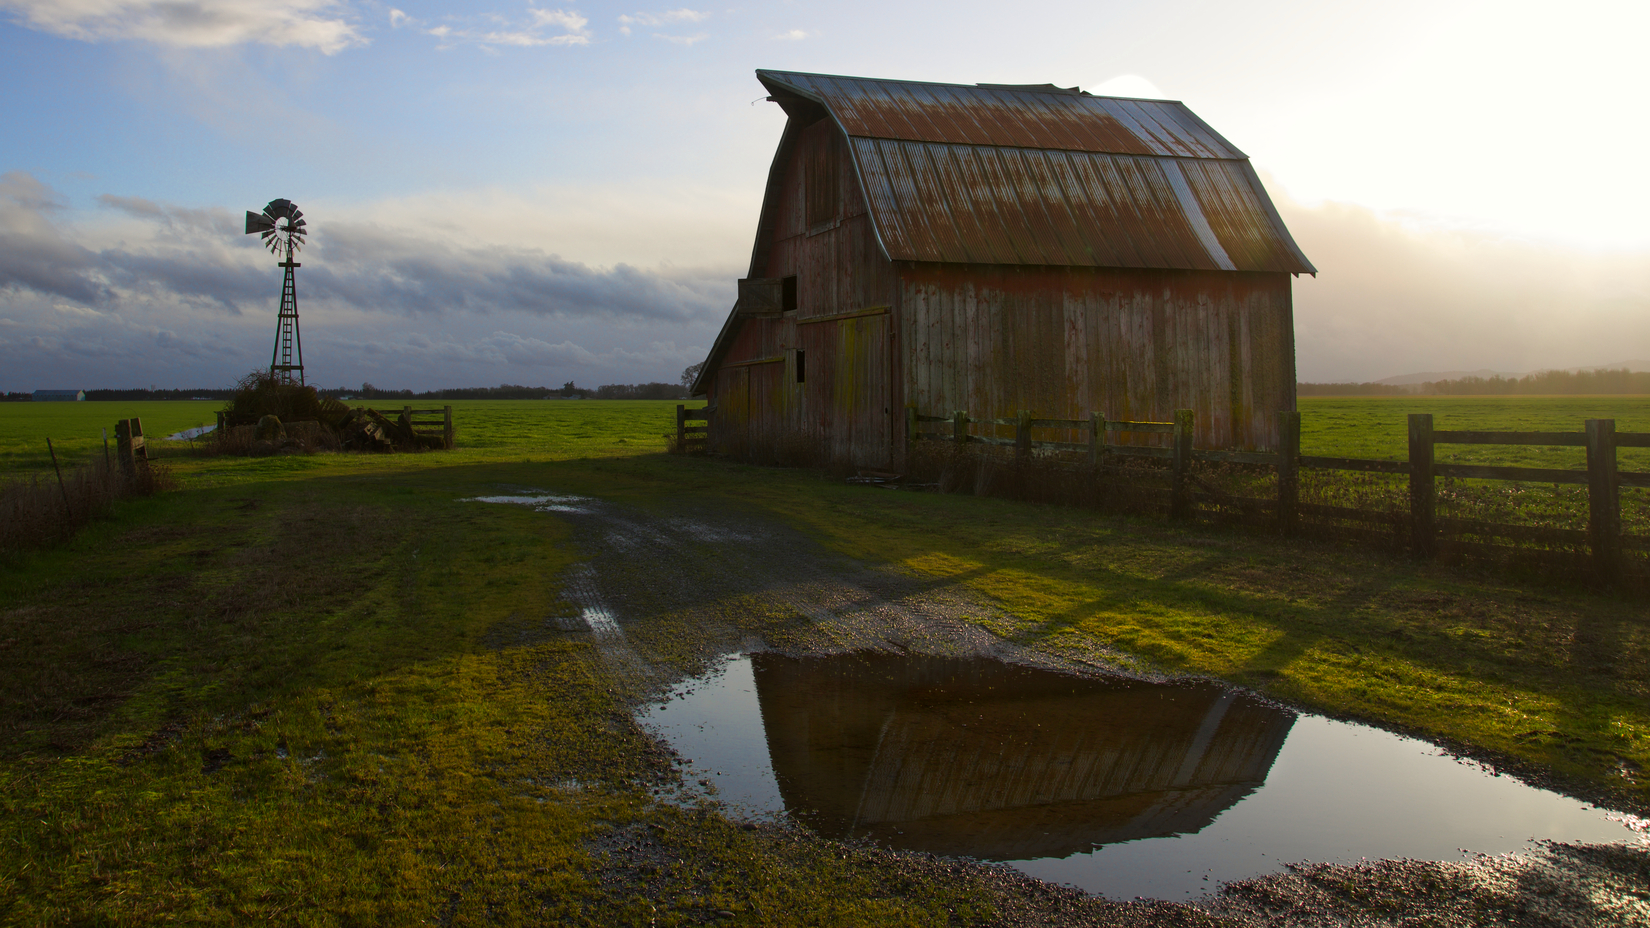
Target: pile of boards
(366, 429)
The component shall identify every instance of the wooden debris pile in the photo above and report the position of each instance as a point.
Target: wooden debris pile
(267, 416)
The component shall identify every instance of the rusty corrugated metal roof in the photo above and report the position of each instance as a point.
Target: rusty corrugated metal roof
(1000, 175)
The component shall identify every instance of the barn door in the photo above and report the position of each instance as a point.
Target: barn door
(733, 411)
(863, 395)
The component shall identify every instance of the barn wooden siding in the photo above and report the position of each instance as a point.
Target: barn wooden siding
(1127, 343)
(846, 408)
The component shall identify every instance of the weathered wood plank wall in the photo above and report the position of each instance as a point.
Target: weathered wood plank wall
(1135, 343)
(844, 406)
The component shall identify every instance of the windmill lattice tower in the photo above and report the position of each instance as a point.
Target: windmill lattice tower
(283, 229)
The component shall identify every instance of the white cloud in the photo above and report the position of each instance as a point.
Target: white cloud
(664, 19)
(793, 35)
(398, 18)
(683, 39)
(317, 24)
(537, 30)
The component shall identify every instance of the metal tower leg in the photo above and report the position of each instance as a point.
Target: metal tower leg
(288, 355)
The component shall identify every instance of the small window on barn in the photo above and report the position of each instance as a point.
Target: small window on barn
(787, 293)
(823, 183)
(801, 366)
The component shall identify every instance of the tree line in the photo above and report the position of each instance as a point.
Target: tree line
(612, 391)
(1608, 382)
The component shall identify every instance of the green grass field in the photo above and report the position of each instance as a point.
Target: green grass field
(276, 693)
(487, 430)
(1373, 427)
(1377, 426)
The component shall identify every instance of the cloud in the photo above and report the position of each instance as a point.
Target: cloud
(370, 267)
(133, 206)
(398, 18)
(664, 19)
(793, 35)
(201, 257)
(141, 291)
(317, 24)
(34, 254)
(538, 29)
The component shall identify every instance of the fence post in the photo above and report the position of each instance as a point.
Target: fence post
(1603, 498)
(681, 426)
(910, 432)
(1422, 491)
(1289, 458)
(406, 422)
(1179, 506)
(1022, 435)
(959, 427)
(68, 511)
(447, 427)
(123, 446)
(1097, 438)
(129, 446)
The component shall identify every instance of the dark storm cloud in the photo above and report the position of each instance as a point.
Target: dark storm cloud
(34, 255)
(369, 268)
(202, 257)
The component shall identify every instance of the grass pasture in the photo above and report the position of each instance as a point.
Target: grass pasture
(278, 693)
(487, 429)
(1377, 427)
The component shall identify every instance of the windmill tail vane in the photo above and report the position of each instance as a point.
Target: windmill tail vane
(282, 228)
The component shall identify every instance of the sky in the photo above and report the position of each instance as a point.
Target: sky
(515, 192)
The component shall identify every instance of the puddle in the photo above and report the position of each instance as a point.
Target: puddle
(543, 502)
(1122, 788)
(188, 434)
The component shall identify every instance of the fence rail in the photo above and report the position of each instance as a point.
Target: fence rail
(427, 426)
(1420, 527)
(694, 435)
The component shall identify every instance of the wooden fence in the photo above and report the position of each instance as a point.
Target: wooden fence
(427, 427)
(692, 437)
(131, 451)
(1420, 527)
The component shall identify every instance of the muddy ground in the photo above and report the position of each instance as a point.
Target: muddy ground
(667, 591)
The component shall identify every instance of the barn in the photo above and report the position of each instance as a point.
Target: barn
(996, 248)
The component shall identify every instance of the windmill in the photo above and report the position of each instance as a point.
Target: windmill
(282, 226)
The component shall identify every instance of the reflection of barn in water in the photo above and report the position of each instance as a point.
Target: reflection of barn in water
(976, 757)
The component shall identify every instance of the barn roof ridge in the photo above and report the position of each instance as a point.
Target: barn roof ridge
(986, 85)
(994, 114)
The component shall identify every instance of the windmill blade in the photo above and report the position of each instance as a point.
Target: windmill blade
(257, 222)
(297, 213)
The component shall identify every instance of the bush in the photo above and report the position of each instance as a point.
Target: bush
(37, 511)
